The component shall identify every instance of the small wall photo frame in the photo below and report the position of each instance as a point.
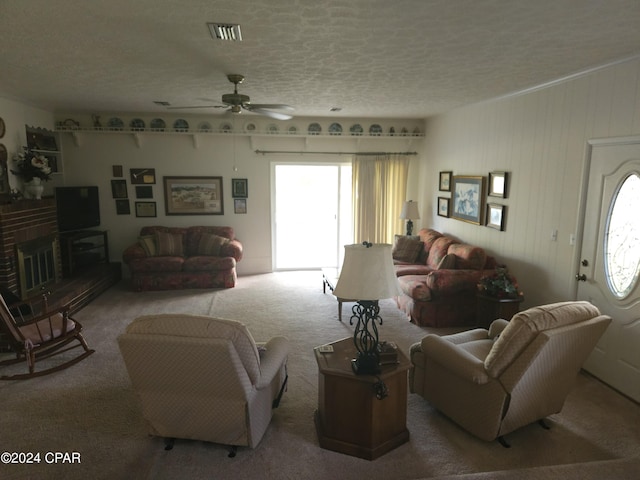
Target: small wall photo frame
(144, 191)
(146, 209)
(468, 199)
(123, 207)
(498, 184)
(116, 170)
(496, 215)
(240, 205)
(445, 181)
(119, 189)
(443, 206)
(239, 188)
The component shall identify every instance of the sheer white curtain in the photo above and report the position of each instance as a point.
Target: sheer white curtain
(379, 191)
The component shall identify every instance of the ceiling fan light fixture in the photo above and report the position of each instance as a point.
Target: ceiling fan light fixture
(225, 31)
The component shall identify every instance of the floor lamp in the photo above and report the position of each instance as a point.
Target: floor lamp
(367, 275)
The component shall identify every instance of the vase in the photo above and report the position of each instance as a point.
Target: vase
(33, 189)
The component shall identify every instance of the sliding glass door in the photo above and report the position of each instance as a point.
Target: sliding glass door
(311, 214)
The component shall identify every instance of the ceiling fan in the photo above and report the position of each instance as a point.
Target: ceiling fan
(236, 102)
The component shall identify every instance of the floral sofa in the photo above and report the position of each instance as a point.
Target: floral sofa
(169, 258)
(438, 276)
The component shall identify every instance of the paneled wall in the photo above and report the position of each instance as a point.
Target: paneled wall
(540, 137)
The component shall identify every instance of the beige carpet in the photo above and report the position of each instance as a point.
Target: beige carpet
(89, 408)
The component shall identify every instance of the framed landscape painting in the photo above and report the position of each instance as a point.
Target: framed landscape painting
(468, 199)
(193, 196)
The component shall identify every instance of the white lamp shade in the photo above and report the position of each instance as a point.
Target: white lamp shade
(410, 211)
(367, 273)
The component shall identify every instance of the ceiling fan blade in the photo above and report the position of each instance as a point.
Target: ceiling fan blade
(272, 106)
(267, 113)
(197, 106)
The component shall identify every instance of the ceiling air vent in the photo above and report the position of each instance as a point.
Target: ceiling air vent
(225, 31)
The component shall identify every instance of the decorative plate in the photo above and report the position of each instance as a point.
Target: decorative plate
(375, 129)
(404, 131)
(205, 127)
(335, 129)
(293, 130)
(115, 123)
(3, 128)
(272, 128)
(356, 129)
(181, 125)
(137, 124)
(314, 129)
(250, 127)
(226, 127)
(157, 124)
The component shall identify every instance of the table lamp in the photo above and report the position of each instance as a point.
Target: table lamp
(367, 275)
(409, 213)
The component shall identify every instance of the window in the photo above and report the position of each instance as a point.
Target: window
(622, 238)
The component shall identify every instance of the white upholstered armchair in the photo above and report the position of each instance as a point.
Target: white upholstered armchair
(491, 382)
(204, 378)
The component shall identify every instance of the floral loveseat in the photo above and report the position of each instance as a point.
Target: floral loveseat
(438, 276)
(169, 258)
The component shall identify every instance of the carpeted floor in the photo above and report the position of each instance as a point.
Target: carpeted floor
(90, 408)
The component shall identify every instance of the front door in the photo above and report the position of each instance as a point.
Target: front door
(610, 260)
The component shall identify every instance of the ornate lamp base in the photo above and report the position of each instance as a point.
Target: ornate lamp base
(366, 364)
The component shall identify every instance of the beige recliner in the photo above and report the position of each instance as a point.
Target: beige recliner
(204, 378)
(491, 382)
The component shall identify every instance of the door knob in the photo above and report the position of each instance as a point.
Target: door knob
(581, 278)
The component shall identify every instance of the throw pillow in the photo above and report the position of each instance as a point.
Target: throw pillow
(406, 249)
(448, 262)
(210, 244)
(148, 244)
(169, 244)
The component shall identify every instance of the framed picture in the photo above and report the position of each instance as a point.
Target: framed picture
(496, 216)
(119, 189)
(122, 207)
(144, 191)
(5, 189)
(239, 205)
(146, 209)
(116, 170)
(142, 176)
(445, 181)
(498, 184)
(468, 199)
(239, 188)
(443, 206)
(193, 196)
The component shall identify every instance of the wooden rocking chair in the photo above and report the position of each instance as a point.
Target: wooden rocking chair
(39, 335)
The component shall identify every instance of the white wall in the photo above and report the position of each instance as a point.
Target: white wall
(89, 157)
(540, 138)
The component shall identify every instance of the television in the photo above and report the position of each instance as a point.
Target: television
(78, 208)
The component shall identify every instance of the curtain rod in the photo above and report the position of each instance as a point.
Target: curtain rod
(264, 152)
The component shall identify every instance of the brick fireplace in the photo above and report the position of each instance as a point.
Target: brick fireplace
(29, 230)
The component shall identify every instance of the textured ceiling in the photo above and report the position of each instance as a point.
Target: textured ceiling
(372, 58)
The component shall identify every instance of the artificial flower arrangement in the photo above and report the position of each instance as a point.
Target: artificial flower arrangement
(30, 165)
(500, 284)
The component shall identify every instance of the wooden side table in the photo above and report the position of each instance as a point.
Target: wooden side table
(350, 418)
(490, 308)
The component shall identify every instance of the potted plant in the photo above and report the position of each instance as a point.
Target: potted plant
(500, 284)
